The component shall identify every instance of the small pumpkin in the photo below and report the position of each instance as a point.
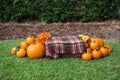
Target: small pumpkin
(21, 53)
(100, 42)
(104, 51)
(24, 45)
(40, 41)
(87, 55)
(14, 50)
(30, 40)
(93, 43)
(85, 39)
(45, 35)
(42, 37)
(108, 47)
(96, 54)
(35, 51)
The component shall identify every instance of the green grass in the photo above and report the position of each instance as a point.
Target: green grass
(13, 68)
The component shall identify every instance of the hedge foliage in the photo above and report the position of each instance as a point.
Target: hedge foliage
(58, 10)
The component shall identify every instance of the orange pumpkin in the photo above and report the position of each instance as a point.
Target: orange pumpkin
(42, 37)
(21, 53)
(30, 40)
(96, 54)
(45, 35)
(93, 43)
(100, 42)
(24, 45)
(87, 56)
(14, 50)
(48, 34)
(35, 51)
(108, 47)
(40, 41)
(104, 51)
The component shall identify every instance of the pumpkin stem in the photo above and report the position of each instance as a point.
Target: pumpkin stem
(97, 48)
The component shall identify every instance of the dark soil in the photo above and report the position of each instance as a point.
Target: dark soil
(106, 30)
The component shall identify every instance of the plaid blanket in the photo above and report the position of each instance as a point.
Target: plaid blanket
(56, 46)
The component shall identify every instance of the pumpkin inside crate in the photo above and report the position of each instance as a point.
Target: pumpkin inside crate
(65, 46)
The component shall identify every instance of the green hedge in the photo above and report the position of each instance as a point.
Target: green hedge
(58, 10)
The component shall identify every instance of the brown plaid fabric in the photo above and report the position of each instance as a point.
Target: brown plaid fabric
(56, 46)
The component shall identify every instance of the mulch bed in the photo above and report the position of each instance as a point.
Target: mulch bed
(106, 30)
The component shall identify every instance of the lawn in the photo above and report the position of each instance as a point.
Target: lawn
(14, 68)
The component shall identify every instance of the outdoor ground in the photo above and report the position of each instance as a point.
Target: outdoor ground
(105, 30)
(14, 68)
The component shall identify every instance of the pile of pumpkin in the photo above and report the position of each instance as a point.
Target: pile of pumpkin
(31, 46)
(96, 48)
(34, 47)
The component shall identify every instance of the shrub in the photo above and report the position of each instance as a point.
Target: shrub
(58, 10)
(100, 10)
